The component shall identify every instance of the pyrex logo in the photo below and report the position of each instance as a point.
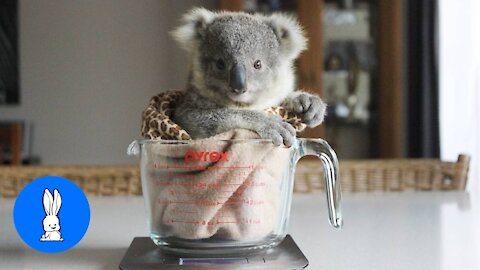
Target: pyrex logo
(205, 156)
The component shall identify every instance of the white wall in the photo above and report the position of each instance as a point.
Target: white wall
(460, 83)
(88, 69)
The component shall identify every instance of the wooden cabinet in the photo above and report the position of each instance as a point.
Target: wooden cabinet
(389, 90)
(11, 138)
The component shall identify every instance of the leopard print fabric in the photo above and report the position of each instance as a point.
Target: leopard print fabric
(288, 116)
(157, 123)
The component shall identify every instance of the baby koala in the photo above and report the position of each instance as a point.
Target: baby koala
(241, 64)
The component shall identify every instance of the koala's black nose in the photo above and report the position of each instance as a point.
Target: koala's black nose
(238, 79)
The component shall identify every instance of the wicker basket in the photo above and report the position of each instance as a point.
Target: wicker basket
(94, 180)
(356, 176)
(387, 175)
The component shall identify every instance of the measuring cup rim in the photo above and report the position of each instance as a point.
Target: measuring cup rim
(162, 141)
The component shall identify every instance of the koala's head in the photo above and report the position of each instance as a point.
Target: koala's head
(238, 58)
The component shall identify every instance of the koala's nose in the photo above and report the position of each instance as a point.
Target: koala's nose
(238, 79)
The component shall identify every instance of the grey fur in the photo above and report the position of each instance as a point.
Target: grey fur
(227, 45)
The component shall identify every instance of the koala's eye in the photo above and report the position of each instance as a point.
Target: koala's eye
(220, 64)
(257, 64)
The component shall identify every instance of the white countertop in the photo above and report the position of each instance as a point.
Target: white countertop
(428, 230)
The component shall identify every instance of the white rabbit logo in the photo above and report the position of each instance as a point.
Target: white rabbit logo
(51, 223)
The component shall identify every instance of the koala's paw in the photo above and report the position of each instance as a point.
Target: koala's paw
(310, 108)
(278, 131)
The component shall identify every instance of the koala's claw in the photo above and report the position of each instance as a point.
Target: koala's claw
(311, 108)
(279, 132)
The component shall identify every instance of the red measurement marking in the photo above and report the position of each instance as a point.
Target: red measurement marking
(201, 203)
(236, 167)
(191, 222)
(221, 184)
(212, 223)
(231, 184)
(167, 167)
(200, 167)
(212, 203)
(181, 184)
(229, 202)
(182, 221)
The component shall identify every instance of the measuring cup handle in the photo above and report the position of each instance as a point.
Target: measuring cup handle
(321, 149)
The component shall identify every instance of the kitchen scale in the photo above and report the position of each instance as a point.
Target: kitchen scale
(143, 254)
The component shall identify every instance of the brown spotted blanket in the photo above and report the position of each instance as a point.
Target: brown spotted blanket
(157, 123)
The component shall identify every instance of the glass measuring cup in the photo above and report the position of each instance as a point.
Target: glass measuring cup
(225, 196)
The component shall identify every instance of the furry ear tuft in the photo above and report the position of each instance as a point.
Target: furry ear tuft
(289, 33)
(192, 28)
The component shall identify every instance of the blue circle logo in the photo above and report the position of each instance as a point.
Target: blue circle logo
(51, 214)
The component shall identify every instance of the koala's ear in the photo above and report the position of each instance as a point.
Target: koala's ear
(193, 27)
(289, 33)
